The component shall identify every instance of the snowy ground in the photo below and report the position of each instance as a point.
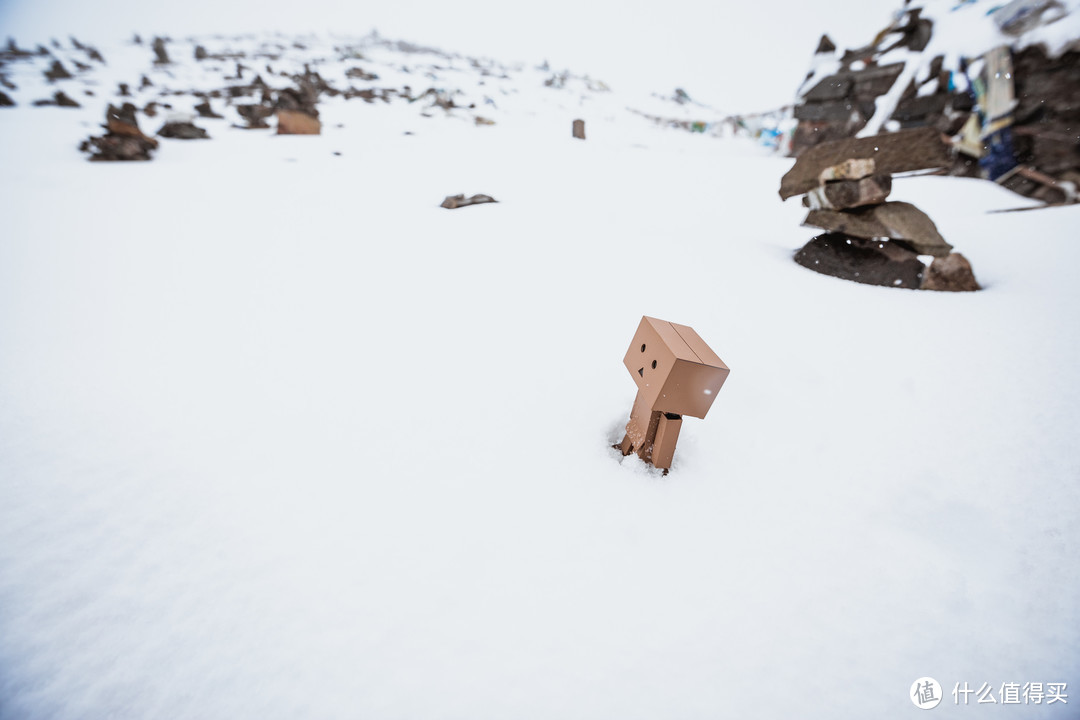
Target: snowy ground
(281, 438)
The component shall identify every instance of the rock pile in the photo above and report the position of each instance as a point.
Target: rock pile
(868, 238)
(1002, 82)
(122, 140)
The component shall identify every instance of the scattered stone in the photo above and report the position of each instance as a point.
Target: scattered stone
(484, 121)
(59, 99)
(125, 91)
(904, 151)
(296, 122)
(150, 110)
(844, 194)
(57, 71)
(5, 100)
(123, 140)
(200, 52)
(368, 95)
(302, 99)
(872, 262)
(899, 221)
(181, 130)
(255, 115)
(357, 73)
(145, 83)
(15, 51)
(81, 66)
(458, 201)
(206, 111)
(161, 56)
(951, 273)
(579, 129)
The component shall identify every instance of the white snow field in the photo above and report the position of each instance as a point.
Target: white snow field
(282, 438)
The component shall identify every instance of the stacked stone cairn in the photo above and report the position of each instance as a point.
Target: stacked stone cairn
(872, 240)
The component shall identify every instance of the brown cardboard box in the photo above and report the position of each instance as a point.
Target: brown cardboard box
(677, 374)
(295, 122)
(674, 369)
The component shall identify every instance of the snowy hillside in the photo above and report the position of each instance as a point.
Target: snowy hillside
(280, 437)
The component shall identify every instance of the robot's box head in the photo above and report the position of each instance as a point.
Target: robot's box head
(675, 371)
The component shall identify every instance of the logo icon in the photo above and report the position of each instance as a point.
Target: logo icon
(925, 693)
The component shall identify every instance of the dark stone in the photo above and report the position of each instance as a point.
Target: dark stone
(161, 56)
(898, 221)
(841, 111)
(808, 134)
(57, 71)
(1056, 148)
(844, 194)
(834, 87)
(206, 111)
(919, 108)
(59, 99)
(873, 262)
(904, 151)
(951, 273)
(6, 101)
(182, 131)
(1046, 87)
(301, 99)
(876, 80)
(116, 148)
(122, 120)
(458, 201)
(255, 115)
(359, 74)
(825, 45)
(14, 50)
(963, 102)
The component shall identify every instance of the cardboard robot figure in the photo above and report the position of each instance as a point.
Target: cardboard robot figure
(677, 374)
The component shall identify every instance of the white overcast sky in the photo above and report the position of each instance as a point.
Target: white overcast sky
(738, 57)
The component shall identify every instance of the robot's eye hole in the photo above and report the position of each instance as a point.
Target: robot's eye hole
(653, 364)
(643, 347)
